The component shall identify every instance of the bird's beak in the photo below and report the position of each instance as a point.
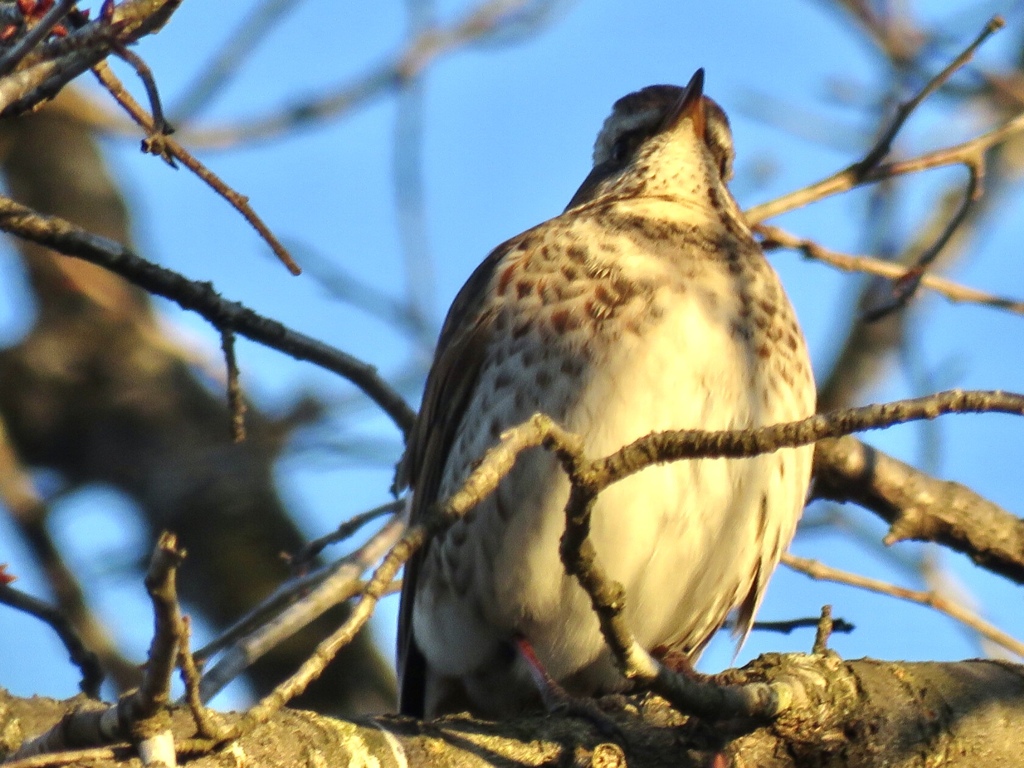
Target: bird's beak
(586, 191)
(690, 105)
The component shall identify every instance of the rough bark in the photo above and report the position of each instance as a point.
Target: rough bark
(920, 507)
(847, 714)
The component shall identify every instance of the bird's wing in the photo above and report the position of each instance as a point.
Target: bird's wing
(450, 384)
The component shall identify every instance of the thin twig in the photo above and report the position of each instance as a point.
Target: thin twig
(775, 237)
(149, 83)
(905, 288)
(824, 631)
(349, 528)
(903, 112)
(822, 572)
(236, 401)
(863, 171)
(163, 146)
(786, 627)
(206, 725)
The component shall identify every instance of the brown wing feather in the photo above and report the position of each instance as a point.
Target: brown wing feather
(450, 384)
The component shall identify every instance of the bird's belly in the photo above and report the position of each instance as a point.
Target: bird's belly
(682, 537)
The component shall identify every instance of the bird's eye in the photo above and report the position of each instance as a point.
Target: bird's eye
(719, 140)
(625, 145)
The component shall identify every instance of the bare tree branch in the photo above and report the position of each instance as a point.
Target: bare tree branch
(920, 507)
(66, 238)
(968, 618)
(83, 658)
(158, 142)
(961, 715)
(775, 237)
(81, 631)
(49, 66)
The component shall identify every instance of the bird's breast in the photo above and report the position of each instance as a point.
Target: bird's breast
(635, 329)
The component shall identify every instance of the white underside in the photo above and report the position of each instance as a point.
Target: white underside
(682, 538)
(685, 539)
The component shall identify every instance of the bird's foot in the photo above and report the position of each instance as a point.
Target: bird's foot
(557, 700)
(677, 661)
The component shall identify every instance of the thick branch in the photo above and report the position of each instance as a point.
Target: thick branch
(920, 507)
(589, 477)
(962, 714)
(694, 443)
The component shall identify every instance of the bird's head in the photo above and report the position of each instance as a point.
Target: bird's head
(662, 139)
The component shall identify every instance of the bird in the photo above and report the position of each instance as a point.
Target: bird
(646, 305)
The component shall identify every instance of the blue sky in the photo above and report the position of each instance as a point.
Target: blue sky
(507, 134)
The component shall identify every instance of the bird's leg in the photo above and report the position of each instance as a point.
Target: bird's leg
(551, 693)
(558, 700)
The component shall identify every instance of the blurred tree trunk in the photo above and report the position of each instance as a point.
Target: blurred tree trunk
(97, 392)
